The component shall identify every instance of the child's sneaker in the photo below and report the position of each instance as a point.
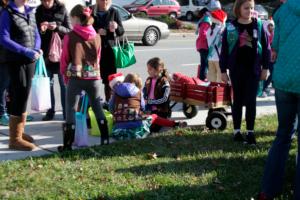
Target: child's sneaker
(264, 95)
(29, 118)
(238, 137)
(182, 124)
(250, 139)
(4, 120)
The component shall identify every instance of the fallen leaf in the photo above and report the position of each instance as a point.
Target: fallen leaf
(179, 133)
(152, 156)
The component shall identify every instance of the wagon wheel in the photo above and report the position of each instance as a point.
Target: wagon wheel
(189, 111)
(216, 120)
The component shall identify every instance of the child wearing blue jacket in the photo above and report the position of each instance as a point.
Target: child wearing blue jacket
(244, 50)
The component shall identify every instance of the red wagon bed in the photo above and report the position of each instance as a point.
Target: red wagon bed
(214, 96)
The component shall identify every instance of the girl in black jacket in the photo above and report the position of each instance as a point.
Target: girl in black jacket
(52, 16)
(109, 25)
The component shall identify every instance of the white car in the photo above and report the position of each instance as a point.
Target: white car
(136, 29)
(190, 8)
(148, 31)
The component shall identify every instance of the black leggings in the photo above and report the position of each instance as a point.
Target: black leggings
(21, 75)
(107, 67)
(245, 86)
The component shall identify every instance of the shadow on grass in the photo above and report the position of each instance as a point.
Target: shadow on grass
(233, 179)
(168, 145)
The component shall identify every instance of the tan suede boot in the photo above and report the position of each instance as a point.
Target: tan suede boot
(15, 135)
(26, 137)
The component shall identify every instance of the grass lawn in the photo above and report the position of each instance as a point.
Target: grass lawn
(190, 164)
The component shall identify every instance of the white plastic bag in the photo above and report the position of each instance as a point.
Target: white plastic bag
(40, 90)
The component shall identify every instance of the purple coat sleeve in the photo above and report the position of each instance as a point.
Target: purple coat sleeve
(8, 43)
(5, 40)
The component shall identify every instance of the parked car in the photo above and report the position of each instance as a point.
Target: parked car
(146, 30)
(136, 29)
(154, 8)
(190, 8)
(262, 12)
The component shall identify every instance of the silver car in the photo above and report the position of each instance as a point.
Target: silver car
(146, 30)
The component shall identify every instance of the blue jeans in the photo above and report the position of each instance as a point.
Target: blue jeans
(62, 92)
(4, 83)
(288, 107)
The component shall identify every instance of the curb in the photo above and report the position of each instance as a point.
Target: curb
(182, 34)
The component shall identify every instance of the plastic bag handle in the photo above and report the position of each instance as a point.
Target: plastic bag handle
(41, 67)
(84, 104)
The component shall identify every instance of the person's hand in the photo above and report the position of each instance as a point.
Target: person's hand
(41, 52)
(37, 55)
(113, 26)
(224, 78)
(32, 54)
(44, 26)
(264, 74)
(273, 55)
(52, 26)
(102, 31)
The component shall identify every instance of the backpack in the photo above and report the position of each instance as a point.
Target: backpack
(55, 48)
(233, 36)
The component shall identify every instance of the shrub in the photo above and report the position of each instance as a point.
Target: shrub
(141, 15)
(172, 22)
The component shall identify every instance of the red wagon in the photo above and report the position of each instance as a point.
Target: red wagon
(215, 97)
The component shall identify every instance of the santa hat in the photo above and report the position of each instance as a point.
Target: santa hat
(219, 15)
(115, 78)
(214, 5)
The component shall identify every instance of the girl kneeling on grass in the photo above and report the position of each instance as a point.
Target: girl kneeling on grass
(157, 90)
(127, 105)
(80, 68)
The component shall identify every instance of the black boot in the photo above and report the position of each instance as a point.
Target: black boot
(104, 131)
(68, 137)
(49, 115)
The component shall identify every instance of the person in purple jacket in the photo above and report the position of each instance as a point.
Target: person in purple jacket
(246, 53)
(20, 38)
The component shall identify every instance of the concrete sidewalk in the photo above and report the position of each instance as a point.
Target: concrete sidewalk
(48, 135)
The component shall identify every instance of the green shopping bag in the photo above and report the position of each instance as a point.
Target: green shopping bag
(94, 125)
(124, 54)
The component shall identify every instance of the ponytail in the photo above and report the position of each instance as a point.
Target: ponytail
(84, 15)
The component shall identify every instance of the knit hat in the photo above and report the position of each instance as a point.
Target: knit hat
(219, 15)
(115, 78)
(214, 5)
